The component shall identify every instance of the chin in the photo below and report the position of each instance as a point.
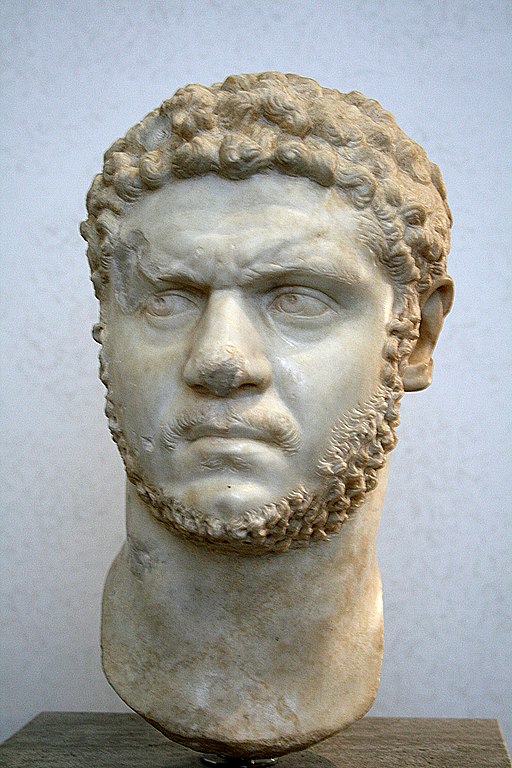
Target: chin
(226, 497)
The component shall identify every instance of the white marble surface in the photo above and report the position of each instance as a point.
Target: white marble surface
(76, 74)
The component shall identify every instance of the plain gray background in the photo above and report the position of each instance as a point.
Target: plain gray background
(76, 75)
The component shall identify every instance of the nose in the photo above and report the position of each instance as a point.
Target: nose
(227, 355)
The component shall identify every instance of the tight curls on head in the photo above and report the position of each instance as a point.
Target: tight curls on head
(270, 121)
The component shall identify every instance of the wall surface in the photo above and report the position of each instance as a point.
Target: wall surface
(76, 75)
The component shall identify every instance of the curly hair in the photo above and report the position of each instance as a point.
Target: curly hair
(257, 123)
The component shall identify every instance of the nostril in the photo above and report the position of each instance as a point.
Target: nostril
(203, 389)
(200, 389)
(249, 387)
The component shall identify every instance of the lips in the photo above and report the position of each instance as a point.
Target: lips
(263, 425)
(234, 431)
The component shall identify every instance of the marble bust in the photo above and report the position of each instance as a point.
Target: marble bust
(270, 262)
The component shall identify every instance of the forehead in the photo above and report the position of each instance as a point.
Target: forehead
(206, 222)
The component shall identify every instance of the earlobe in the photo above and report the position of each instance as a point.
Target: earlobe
(436, 304)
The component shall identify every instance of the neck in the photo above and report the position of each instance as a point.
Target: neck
(245, 654)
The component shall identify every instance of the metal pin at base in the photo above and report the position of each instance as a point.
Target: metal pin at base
(227, 761)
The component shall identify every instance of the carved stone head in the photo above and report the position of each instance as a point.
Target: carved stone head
(270, 261)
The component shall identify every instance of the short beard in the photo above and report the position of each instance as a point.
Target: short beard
(359, 443)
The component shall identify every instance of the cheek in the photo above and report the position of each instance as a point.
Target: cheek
(143, 381)
(323, 382)
(345, 369)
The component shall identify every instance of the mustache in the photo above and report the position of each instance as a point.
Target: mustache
(273, 427)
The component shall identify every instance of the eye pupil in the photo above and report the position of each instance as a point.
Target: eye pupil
(168, 304)
(289, 301)
(299, 304)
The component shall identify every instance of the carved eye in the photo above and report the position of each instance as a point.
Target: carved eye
(299, 304)
(169, 304)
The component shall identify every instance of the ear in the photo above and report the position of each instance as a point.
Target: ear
(435, 305)
(97, 332)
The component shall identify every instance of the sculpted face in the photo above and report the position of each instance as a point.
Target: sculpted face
(244, 319)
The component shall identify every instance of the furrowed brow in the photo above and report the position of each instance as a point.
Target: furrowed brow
(338, 272)
(179, 275)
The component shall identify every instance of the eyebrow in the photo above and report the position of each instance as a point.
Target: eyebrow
(322, 269)
(174, 275)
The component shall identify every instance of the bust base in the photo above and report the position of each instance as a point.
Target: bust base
(112, 740)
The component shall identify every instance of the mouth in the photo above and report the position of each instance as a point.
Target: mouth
(271, 429)
(233, 432)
